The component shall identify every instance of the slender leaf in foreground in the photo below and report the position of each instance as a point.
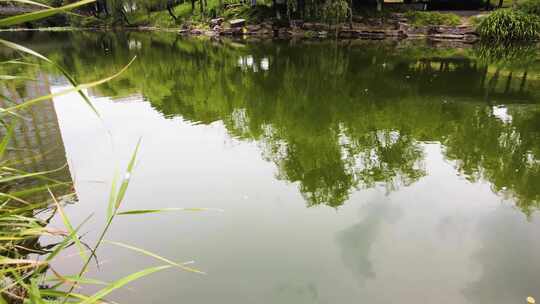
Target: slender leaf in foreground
(112, 196)
(147, 211)
(70, 78)
(155, 256)
(66, 240)
(71, 90)
(122, 282)
(127, 176)
(69, 227)
(8, 261)
(6, 139)
(27, 2)
(27, 175)
(33, 16)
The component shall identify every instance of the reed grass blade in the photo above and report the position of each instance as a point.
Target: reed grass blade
(155, 256)
(122, 282)
(33, 16)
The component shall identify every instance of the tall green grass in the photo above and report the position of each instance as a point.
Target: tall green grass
(507, 25)
(27, 273)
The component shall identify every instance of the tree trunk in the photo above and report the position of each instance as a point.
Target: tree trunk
(301, 6)
(351, 14)
(508, 83)
(170, 9)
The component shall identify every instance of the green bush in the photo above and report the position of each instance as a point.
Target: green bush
(335, 10)
(509, 25)
(530, 7)
(432, 18)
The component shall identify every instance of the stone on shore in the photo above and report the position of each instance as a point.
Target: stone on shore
(237, 23)
(216, 21)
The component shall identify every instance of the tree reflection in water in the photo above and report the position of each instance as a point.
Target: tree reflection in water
(338, 117)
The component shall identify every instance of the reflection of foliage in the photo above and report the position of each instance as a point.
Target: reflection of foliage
(335, 118)
(506, 154)
(506, 55)
(391, 158)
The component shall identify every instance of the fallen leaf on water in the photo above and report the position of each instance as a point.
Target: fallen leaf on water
(531, 300)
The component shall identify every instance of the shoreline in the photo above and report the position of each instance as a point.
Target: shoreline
(464, 34)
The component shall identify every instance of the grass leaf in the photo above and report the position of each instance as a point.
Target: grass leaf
(18, 19)
(70, 78)
(69, 227)
(71, 90)
(146, 211)
(127, 177)
(112, 196)
(155, 256)
(28, 2)
(66, 240)
(122, 282)
(6, 139)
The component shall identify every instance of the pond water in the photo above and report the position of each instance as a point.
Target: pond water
(348, 172)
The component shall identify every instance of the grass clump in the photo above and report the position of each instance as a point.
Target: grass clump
(432, 18)
(509, 25)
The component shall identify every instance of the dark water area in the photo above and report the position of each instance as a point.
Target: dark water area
(348, 171)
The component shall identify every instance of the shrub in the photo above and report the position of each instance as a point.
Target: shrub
(335, 10)
(432, 18)
(509, 25)
(530, 7)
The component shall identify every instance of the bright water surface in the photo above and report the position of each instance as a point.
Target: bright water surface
(371, 172)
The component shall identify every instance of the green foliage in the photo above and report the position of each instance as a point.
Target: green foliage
(254, 14)
(509, 25)
(477, 19)
(335, 11)
(530, 7)
(420, 18)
